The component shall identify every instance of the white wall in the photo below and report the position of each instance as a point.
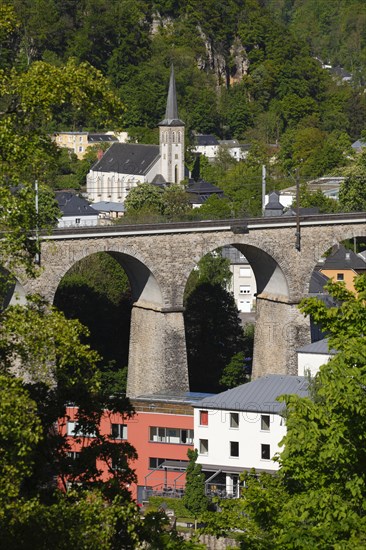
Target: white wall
(310, 362)
(70, 221)
(249, 435)
(240, 285)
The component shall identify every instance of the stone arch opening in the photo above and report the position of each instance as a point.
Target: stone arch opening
(259, 288)
(101, 290)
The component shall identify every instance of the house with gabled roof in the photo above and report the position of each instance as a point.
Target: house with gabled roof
(126, 165)
(76, 211)
(342, 265)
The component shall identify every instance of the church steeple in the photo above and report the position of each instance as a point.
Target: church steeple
(171, 131)
(171, 111)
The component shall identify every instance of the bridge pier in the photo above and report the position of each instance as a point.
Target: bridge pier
(279, 331)
(157, 354)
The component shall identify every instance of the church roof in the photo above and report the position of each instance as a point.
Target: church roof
(128, 158)
(171, 112)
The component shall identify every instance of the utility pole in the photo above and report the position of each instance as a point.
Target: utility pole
(263, 188)
(298, 234)
(37, 258)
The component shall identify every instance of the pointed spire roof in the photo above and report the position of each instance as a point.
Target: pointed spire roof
(171, 112)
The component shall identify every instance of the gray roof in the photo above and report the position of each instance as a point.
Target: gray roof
(343, 258)
(72, 205)
(321, 347)
(317, 282)
(274, 201)
(97, 138)
(174, 397)
(202, 189)
(205, 139)
(171, 112)
(259, 395)
(128, 158)
(106, 206)
(358, 144)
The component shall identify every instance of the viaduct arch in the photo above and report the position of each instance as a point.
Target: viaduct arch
(158, 261)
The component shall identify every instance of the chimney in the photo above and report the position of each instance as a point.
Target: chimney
(100, 153)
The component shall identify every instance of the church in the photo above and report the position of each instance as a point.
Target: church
(126, 165)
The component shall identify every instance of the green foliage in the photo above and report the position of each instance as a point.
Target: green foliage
(352, 192)
(20, 431)
(235, 373)
(309, 199)
(213, 334)
(194, 498)
(213, 269)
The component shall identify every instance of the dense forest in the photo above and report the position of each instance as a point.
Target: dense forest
(246, 69)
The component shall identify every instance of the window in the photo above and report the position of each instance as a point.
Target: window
(204, 446)
(155, 462)
(265, 422)
(234, 420)
(71, 428)
(234, 448)
(340, 277)
(77, 220)
(244, 289)
(176, 156)
(171, 435)
(265, 452)
(72, 431)
(73, 454)
(203, 418)
(80, 149)
(244, 271)
(119, 431)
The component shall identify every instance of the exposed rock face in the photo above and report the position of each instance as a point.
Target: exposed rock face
(239, 60)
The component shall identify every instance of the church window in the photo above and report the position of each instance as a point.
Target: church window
(179, 137)
(109, 187)
(176, 156)
(173, 137)
(99, 186)
(176, 174)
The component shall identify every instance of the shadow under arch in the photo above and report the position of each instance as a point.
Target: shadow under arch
(144, 286)
(269, 276)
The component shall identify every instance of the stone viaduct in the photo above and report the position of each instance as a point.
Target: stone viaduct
(158, 260)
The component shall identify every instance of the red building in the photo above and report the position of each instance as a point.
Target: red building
(161, 431)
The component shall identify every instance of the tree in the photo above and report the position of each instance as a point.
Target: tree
(213, 269)
(317, 499)
(213, 334)
(145, 199)
(352, 192)
(195, 499)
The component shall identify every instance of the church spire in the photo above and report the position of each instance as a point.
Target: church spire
(171, 112)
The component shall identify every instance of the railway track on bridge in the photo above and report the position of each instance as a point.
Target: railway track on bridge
(236, 225)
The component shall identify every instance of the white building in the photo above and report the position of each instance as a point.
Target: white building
(241, 428)
(311, 357)
(76, 211)
(243, 284)
(126, 165)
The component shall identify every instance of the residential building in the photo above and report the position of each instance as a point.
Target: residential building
(199, 191)
(161, 431)
(79, 142)
(312, 356)
(76, 211)
(342, 265)
(207, 145)
(241, 429)
(243, 284)
(126, 165)
(359, 145)
(238, 151)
